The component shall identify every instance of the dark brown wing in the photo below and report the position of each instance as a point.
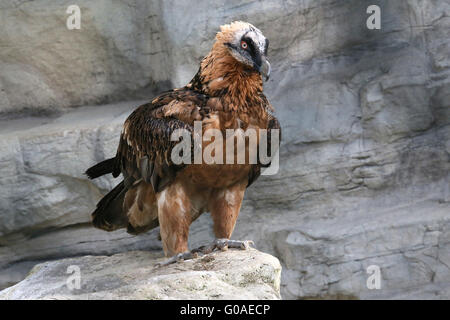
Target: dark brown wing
(272, 123)
(145, 147)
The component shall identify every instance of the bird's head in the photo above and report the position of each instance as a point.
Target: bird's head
(246, 44)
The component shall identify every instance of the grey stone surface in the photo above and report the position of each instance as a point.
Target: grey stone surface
(117, 54)
(233, 274)
(365, 158)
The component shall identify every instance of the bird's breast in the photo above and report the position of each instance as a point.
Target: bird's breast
(229, 147)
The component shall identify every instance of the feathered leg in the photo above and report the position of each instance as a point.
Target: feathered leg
(141, 208)
(174, 219)
(225, 205)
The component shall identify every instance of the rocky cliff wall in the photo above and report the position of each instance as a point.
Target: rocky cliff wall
(364, 173)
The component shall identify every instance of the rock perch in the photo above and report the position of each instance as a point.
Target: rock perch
(232, 274)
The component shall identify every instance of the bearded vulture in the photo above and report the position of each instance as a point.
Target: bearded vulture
(226, 93)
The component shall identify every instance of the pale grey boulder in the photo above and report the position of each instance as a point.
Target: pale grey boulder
(233, 274)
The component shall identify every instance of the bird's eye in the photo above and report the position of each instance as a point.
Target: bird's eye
(244, 45)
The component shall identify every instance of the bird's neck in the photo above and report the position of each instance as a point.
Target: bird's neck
(220, 75)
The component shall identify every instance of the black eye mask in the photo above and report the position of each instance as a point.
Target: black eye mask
(254, 53)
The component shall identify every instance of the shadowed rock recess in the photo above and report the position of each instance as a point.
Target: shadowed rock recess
(364, 162)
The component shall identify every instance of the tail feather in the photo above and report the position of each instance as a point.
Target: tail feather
(101, 168)
(109, 214)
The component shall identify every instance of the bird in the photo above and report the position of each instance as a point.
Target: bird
(226, 93)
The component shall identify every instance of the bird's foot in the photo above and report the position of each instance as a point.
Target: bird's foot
(221, 244)
(188, 255)
(224, 244)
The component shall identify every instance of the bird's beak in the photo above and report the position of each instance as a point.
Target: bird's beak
(265, 69)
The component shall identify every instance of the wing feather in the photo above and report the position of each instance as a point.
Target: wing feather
(145, 146)
(272, 123)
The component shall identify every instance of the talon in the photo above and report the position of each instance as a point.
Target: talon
(177, 258)
(224, 245)
(248, 244)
